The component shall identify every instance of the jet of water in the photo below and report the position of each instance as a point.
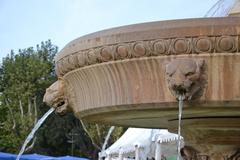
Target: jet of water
(180, 107)
(35, 128)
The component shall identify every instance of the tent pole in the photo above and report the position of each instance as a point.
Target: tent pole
(108, 157)
(158, 152)
(137, 156)
(120, 156)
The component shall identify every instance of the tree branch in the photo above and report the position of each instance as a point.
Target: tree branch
(29, 108)
(98, 132)
(21, 108)
(35, 109)
(91, 138)
(11, 113)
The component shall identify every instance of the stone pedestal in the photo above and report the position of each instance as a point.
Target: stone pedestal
(210, 138)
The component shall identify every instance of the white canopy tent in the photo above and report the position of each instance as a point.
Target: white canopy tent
(143, 143)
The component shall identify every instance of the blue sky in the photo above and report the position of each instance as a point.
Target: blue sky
(25, 23)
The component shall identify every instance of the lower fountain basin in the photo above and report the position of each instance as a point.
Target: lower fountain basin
(135, 92)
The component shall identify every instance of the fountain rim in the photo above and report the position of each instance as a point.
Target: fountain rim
(174, 37)
(84, 42)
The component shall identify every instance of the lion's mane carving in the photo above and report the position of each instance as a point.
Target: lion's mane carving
(56, 96)
(186, 77)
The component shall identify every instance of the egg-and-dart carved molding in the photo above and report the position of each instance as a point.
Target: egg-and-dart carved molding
(146, 48)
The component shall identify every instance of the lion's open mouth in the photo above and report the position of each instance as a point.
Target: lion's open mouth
(59, 104)
(179, 89)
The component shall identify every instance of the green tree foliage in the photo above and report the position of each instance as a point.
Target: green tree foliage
(24, 78)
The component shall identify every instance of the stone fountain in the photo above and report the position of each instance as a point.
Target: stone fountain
(132, 76)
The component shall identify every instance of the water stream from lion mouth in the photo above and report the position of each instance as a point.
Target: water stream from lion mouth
(35, 128)
(180, 108)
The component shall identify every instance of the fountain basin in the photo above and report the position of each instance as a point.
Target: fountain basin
(128, 76)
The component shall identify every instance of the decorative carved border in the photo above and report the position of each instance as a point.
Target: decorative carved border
(147, 48)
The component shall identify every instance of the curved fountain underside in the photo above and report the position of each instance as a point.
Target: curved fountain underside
(131, 76)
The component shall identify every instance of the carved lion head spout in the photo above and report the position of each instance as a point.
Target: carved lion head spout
(55, 96)
(185, 77)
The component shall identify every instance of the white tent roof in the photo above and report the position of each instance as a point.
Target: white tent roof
(133, 136)
(145, 139)
(165, 136)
